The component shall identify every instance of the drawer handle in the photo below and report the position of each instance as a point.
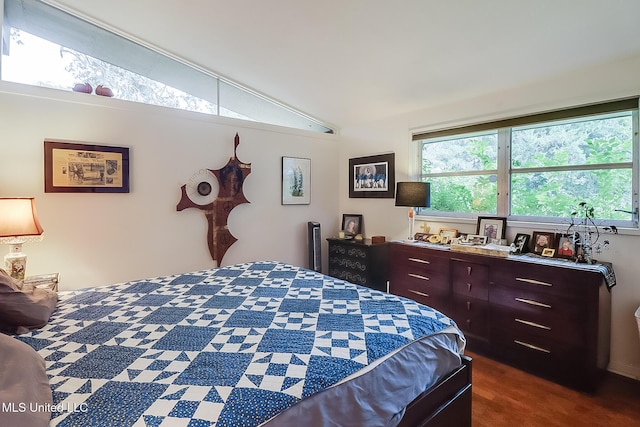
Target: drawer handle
(533, 347)
(421, 261)
(422, 294)
(469, 287)
(531, 302)
(534, 282)
(417, 276)
(468, 305)
(535, 325)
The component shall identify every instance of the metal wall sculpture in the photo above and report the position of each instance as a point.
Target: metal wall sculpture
(230, 180)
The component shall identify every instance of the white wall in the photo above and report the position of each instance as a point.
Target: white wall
(608, 81)
(99, 239)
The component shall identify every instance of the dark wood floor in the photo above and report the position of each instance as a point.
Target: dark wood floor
(504, 396)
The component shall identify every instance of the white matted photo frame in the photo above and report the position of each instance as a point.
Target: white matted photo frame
(296, 181)
(494, 227)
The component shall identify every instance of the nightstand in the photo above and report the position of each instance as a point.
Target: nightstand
(44, 281)
(362, 263)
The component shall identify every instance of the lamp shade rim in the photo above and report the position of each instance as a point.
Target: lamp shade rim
(414, 194)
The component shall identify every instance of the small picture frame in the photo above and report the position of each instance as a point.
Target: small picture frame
(548, 252)
(521, 242)
(542, 240)
(494, 227)
(476, 239)
(449, 233)
(565, 247)
(352, 224)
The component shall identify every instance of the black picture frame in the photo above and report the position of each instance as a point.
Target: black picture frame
(372, 177)
(85, 168)
(521, 242)
(494, 227)
(348, 220)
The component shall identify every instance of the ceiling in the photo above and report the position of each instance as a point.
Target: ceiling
(347, 62)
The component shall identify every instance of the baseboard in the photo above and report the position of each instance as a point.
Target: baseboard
(625, 370)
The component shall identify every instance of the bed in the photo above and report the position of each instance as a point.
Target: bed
(254, 344)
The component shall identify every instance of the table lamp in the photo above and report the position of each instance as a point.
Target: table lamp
(412, 195)
(18, 224)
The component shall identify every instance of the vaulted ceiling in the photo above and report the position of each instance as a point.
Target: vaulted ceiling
(347, 62)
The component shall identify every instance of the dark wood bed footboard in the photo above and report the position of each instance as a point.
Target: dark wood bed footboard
(447, 403)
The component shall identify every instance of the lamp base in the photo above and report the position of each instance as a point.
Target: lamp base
(15, 262)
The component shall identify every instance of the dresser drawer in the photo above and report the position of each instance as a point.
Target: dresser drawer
(516, 342)
(553, 308)
(471, 315)
(564, 281)
(547, 326)
(470, 279)
(420, 269)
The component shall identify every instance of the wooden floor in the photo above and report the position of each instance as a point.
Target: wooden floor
(504, 396)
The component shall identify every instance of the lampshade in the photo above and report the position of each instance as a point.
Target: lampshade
(18, 218)
(413, 194)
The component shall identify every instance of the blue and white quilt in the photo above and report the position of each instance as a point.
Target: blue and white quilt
(232, 346)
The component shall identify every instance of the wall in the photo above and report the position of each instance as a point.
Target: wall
(601, 82)
(99, 239)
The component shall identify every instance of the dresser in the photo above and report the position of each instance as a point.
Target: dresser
(362, 263)
(550, 318)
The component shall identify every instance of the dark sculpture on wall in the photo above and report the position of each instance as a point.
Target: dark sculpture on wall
(230, 179)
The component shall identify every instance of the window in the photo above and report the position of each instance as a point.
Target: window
(538, 167)
(44, 46)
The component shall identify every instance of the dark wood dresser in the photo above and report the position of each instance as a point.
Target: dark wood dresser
(361, 263)
(552, 319)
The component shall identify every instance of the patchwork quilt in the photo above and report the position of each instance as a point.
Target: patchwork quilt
(232, 346)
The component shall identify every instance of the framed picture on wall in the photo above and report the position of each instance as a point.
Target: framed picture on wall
(372, 176)
(85, 168)
(296, 181)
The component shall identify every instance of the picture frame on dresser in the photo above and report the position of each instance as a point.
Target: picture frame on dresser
(352, 224)
(372, 176)
(521, 242)
(565, 248)
(541, 240)
(494, 227)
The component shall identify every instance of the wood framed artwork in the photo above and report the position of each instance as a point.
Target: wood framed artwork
(352, 224)
(493, 227)
(296, 181)
(542, 240)
(372, 177)
(85, 168)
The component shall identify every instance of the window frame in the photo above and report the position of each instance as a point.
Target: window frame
(64, 27)
(505, 171)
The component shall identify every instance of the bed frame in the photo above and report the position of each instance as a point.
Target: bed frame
(447, 403)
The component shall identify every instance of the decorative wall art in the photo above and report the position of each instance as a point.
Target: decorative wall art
(296, 181)
(230, 181)
(372, 176)
(85, 168)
